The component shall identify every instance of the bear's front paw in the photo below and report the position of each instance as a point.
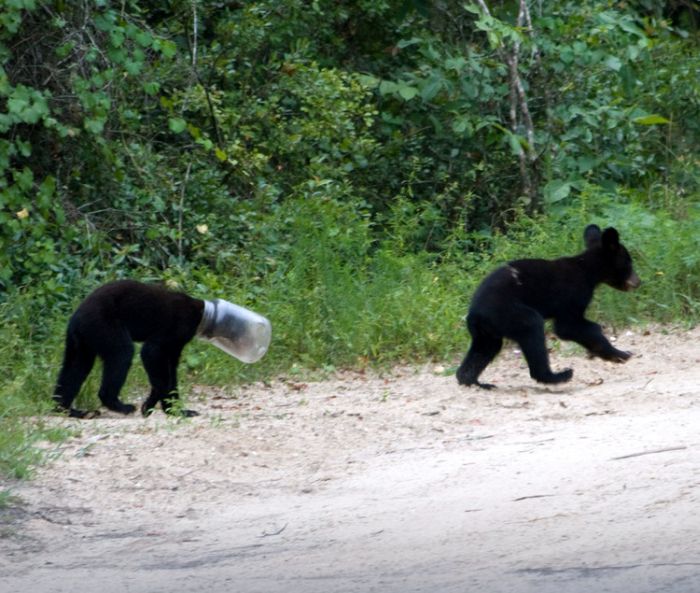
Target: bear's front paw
(469, 381)
(75, 413)
(563, 376)
(122, 408)
(621, 356)
(182, 412)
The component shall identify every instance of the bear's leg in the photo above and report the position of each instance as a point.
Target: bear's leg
(78, 361)
(155, 361)
(161, 367)
(528, 332)
(590, 336)
(116, 353)
(482, 351)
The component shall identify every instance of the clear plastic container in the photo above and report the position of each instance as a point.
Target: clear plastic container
(236, 330)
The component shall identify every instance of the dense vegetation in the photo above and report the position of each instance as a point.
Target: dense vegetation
(348, 168)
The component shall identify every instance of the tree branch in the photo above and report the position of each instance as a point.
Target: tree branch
(192, 46)
(519, 111)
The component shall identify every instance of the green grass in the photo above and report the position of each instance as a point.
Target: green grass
(19, 437)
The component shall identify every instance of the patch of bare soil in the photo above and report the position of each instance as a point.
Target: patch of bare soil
(394, 483)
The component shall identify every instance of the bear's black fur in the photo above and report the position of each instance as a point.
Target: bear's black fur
(106, 325)
(514, 300)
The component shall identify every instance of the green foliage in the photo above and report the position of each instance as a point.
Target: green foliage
(341, 298)
(163, 135)
(29, 350)
(56, 118)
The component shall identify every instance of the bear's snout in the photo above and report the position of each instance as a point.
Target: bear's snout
(632, 282)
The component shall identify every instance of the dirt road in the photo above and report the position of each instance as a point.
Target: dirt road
(390, 484)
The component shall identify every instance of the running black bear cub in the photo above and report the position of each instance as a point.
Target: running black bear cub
(514, 300)
(107, 323)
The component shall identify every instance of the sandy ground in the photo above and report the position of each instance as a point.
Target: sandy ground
(397, 483)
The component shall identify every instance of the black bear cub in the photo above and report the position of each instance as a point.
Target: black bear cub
(106, 325)
(514, 301)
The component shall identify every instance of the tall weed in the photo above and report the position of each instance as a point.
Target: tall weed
(27, 346)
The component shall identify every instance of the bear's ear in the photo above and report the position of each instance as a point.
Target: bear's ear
(611, 239)
(591, 236)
